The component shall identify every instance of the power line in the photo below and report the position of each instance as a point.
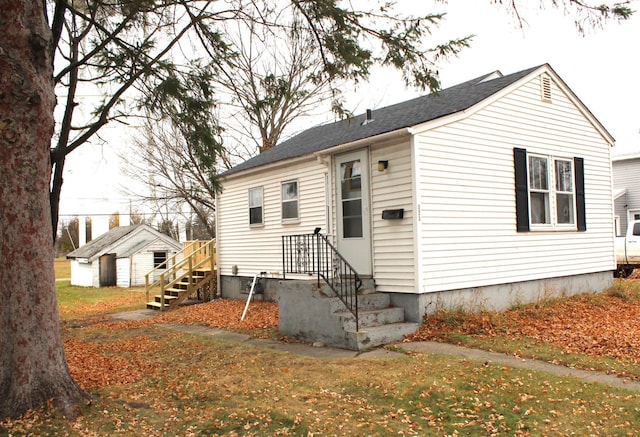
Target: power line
(108, 214)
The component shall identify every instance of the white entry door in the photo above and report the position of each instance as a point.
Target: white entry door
(353, 210)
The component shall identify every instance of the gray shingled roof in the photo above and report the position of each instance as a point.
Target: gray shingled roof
(391, 118)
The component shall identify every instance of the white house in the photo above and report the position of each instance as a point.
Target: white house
(490, 193)
(626, 190)
(121, 257)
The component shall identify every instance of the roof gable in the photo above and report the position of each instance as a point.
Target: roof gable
(388, 119)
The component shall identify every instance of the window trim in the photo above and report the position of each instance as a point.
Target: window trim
(295, 219)
(157, 252)
(522, 200)
(548, 193)
(261, 206)
(630, 213)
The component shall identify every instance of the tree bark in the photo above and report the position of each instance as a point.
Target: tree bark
(33, 368)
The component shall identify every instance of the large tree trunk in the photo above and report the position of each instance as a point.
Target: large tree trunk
(33, 368)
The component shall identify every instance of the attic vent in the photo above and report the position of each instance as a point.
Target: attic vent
(545, 88)
(369, 118)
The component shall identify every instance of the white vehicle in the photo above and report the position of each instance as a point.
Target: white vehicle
(628, 251)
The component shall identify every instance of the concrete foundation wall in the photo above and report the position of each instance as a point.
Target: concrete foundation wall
(306, 314)
(232, 287)
(500, 297)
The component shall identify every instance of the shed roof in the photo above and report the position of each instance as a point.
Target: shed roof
(133, 238)
(391, 118)
(102, 242)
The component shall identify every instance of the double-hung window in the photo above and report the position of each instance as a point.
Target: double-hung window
(565, 199)
(290, 201)
(549, 192)
(539, 190)
(256, 215)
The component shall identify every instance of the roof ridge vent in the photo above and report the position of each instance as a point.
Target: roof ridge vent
(369, 118)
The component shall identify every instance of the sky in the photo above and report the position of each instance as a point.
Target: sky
(602, 68)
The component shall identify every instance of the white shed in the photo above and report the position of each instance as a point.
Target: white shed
(493, 192)
(121, 257)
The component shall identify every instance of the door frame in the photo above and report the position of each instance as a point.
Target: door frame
(107, 271)
(356, 250)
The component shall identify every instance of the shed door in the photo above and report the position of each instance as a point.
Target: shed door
(353, 210)
(108, 270)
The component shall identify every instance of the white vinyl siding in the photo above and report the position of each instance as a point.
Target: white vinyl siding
(123, 274)
(626, 175)
(131, 271)
(259, 249)
(465, 182)
(82, 274)
(393, 240)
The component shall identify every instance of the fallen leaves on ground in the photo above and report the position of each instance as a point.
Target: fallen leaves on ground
(106, 305)
(597, 325)
(225, 314)
(100, 364)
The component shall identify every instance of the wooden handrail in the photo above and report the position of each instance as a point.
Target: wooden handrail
(194, 256)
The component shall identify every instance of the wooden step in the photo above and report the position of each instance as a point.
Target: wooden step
(156, 305)
(175, 292)
(167, 298)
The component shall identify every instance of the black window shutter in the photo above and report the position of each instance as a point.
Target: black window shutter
(522, 190)
(578, 164)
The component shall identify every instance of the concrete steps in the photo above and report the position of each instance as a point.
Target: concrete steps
(379, 323)
(317, 315)
(372, 336)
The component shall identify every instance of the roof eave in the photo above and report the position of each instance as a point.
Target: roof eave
(398, 133)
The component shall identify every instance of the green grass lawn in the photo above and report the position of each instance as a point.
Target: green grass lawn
(184, 384)
(62, 268)
(147, 380)
(79, 302)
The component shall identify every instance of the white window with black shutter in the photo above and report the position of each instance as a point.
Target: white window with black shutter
(549, 192)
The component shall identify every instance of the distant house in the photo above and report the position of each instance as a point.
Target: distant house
(626, 190)
(492, 192)
(121, 257)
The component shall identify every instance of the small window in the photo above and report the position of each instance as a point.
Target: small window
(290, 200)
(159, 259)
(256, 216)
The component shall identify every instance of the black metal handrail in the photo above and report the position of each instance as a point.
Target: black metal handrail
(313, 254)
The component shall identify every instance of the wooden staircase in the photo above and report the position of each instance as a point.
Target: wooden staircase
(190, 272)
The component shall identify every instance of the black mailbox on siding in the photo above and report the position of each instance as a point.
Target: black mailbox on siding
(393, 214)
